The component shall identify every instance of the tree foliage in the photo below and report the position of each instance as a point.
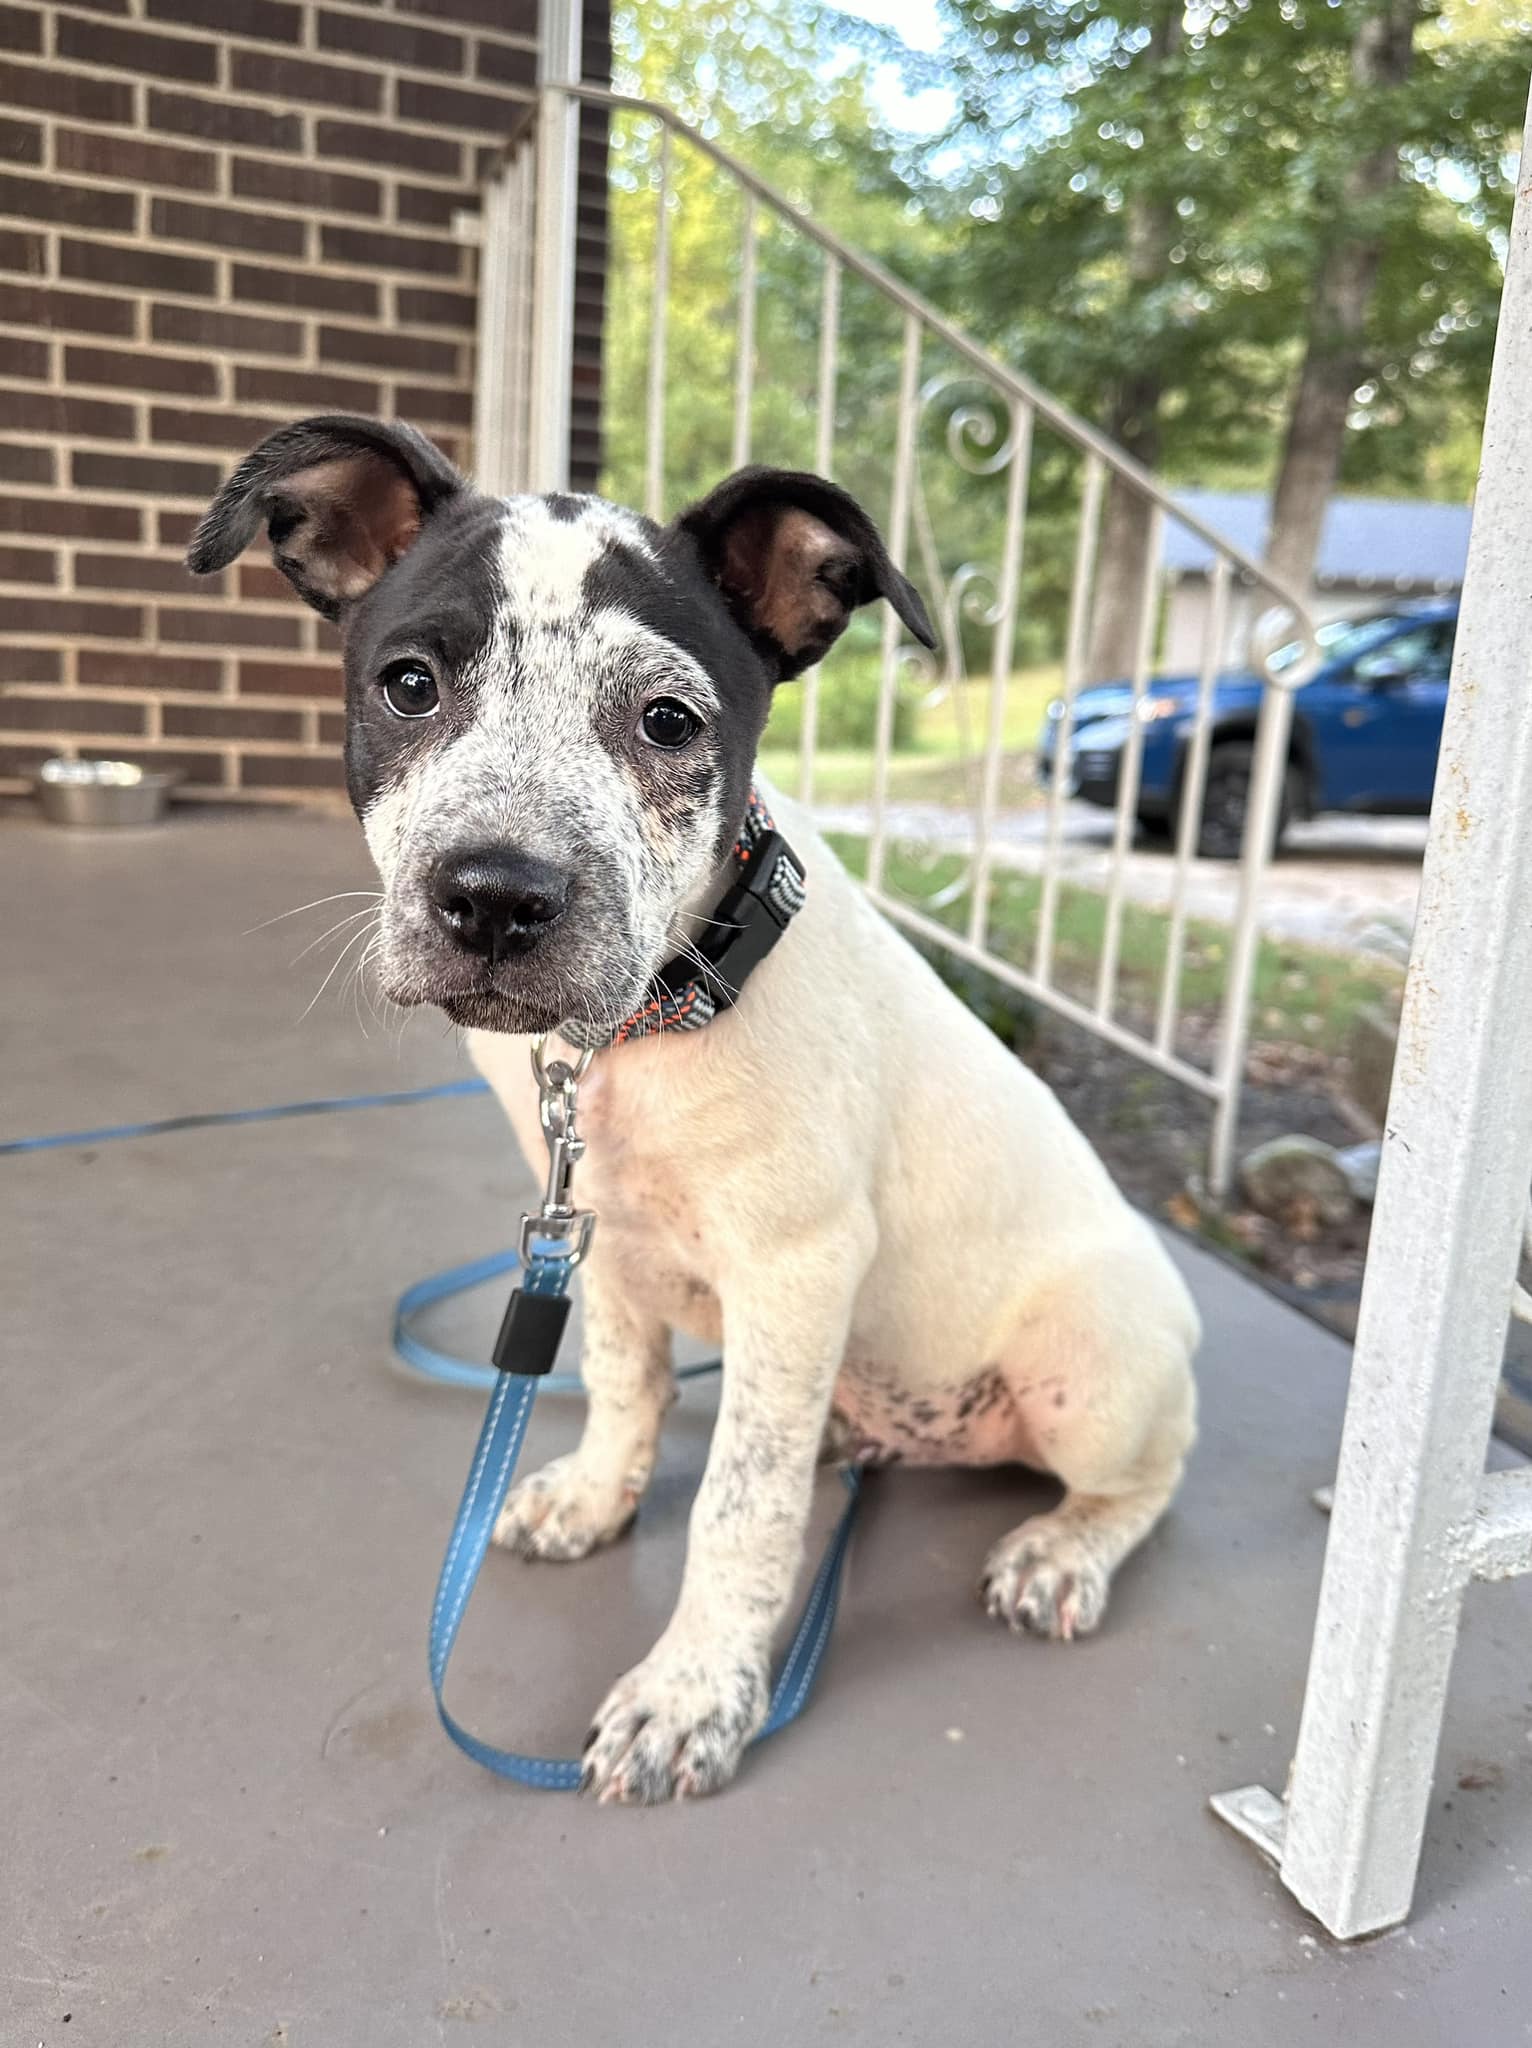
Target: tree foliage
(1131, 201)
(1244, 134)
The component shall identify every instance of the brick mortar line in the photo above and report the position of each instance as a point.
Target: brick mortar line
(118, 499)
(471, 34)
(154, 737)
(180, 245)
(257, 206)
(216, 406)
(310, 153)
(164, 351)
(250, 609)
(180, 743)
(295, 658)
(250, 358)
(308, 158)
(199, 700)
(149, 648)
(281, 309)
(227, 44)
(50, 640)
(171, 293)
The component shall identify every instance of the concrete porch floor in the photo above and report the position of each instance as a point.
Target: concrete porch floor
(231, 1815)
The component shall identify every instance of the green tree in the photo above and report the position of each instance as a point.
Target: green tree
(1138, 203)
(1141, 198)
(1377, 198)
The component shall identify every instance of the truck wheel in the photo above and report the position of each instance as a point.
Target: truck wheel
(1227, 798)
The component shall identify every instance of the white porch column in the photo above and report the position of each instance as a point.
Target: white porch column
(1412, 1506)
(553, 256)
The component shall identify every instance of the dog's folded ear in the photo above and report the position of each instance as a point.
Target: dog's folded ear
(341, 498)
(793, 556)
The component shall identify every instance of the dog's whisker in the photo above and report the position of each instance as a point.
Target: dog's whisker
(360, 993)
(689, 953)
(355, 939)
(376, 995)
(370, 996)
(356, 1004)
(372, 911)
(318, 904)
(356, 983)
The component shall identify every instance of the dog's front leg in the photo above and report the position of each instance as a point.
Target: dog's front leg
(587, 1498)
(678, 1723)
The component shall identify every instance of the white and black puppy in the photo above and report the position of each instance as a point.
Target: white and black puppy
(891, 1226)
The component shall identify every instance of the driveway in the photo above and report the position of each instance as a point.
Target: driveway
(1348, 884)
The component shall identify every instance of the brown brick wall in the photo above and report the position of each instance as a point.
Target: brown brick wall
(215, 216)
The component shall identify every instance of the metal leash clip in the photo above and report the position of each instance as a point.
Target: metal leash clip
(559, 1230)
(554, 1241)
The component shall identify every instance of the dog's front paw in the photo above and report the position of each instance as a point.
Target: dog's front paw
(674, 1728)
(562, 1512)
(1043, 1579)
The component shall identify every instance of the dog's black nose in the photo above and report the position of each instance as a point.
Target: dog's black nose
(496, 900)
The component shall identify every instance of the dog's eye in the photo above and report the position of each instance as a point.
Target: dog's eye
(668, 723)
(409, 689)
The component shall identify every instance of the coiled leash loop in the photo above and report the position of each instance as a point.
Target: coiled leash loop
(552, 1244)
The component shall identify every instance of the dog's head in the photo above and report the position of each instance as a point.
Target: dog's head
(552, 705)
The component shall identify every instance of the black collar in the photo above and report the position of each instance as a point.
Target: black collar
(764, 894)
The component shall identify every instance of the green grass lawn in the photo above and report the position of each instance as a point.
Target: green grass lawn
(1303, 995)
(943, 763)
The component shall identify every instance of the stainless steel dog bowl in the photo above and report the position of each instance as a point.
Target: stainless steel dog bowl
(102, 793)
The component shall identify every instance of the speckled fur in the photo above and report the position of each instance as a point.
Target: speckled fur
(1048, 1329)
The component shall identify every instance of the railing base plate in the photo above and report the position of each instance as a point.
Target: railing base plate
(1256, 1814)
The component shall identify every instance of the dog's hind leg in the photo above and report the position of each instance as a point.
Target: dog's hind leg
(589, 1497)
(1112, 1412)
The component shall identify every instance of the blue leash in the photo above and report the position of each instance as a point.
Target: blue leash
(326, 1105)
(432, 1364)
(500, 1439)
(489, 1479)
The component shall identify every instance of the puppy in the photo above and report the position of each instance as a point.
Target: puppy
(890, 1226)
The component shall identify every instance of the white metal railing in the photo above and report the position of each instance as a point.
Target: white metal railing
(989, 419)
(1415, 1518)
(502, 451)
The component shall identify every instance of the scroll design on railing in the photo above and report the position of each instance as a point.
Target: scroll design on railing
(981, 435)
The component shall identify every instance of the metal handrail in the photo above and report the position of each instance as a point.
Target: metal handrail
(1015, 383)
(521, 405)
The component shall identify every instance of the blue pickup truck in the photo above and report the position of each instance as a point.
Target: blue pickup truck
(1366, 730)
